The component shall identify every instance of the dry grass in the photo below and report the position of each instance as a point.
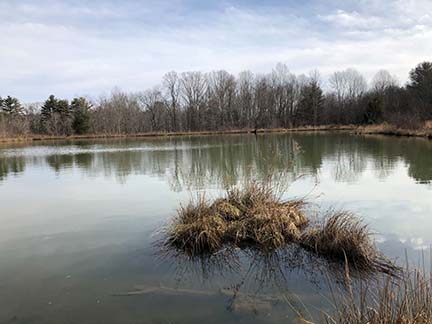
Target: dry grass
(407, 300)
(198, 230)
(428, 124)
(389, 129)
(254, 217)
(343, 238)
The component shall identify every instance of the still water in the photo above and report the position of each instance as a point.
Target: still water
(80, 222)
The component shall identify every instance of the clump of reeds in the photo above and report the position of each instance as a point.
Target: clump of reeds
(198, 229)
(253, 217)
(343, 238)
(406, 300)
(265, 221)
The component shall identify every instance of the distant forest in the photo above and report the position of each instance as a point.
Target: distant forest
(216, 101)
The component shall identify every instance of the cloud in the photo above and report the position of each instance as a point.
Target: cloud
(74, 47)
(353, 20)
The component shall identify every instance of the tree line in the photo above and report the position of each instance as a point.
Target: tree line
(196, 101)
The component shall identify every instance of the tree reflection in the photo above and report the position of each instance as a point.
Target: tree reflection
(11, 165)
(215, 161)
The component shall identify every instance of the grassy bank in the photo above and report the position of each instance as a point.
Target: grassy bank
(380, 129)
(392, 130)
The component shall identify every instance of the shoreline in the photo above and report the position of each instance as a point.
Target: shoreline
(382, 129)
(390, 130)
(36, 138)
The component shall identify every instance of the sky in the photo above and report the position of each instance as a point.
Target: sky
(77, 47)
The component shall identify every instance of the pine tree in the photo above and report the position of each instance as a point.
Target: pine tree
(421, 80)
(374, 108)
(62, 108)
(56, 116)
(11, 106)
(81, 115)
(420, 86)
(49, 107)
(311, 103)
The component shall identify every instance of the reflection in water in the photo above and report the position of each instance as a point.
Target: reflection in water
(263, 282)
(11, 165)
(200, 162)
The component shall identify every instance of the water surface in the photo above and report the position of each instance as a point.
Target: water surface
(79, 221)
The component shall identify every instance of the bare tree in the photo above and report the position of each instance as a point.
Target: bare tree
(193, 92)
(119, 113)
(384, 80)
(348, 84)
(245, 97)
(284, 90)
(264, 115)
(222, 88)
(152, 102)
(171, 84)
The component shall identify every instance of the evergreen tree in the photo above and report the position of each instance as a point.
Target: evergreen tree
(311, 102)
(49, 107)
(65, 118)
(81, 115)
(373, 104)
(420, 86)
(62, 108)
(11, 106)
(56, 117)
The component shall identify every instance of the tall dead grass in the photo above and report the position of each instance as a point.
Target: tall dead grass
(197, 229)
(343, 238)
(405, 129)
(255, 217)
(251, 217)
(405, 300)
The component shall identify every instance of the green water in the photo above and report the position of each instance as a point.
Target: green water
(80, 222)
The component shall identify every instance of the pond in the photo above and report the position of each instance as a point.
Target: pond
(80, 223)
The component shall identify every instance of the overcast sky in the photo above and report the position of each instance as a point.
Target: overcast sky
(88, 47)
